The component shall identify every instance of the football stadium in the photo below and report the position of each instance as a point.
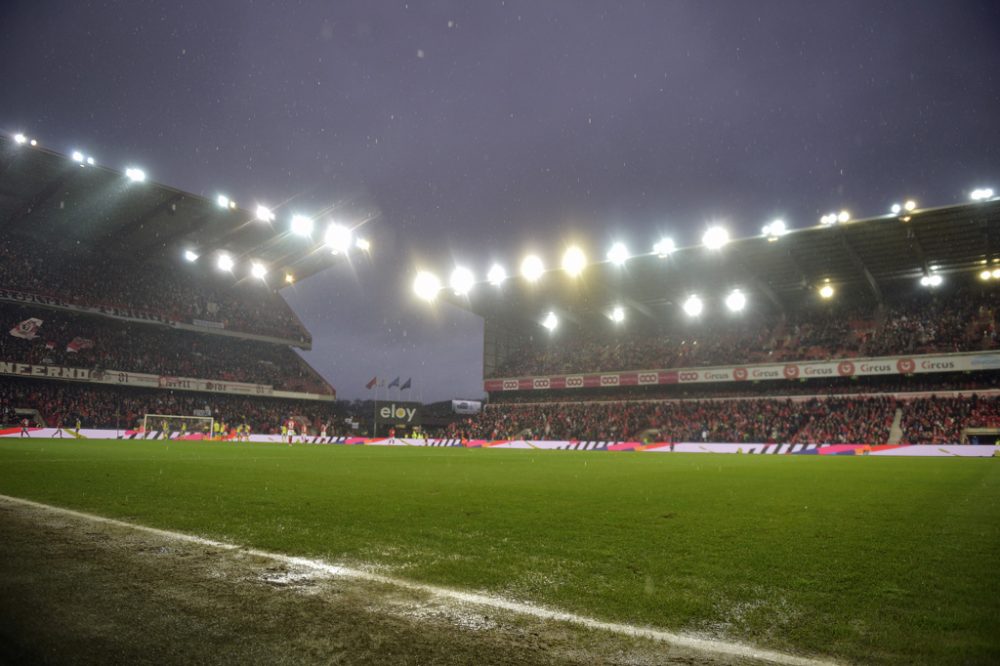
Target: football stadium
(772, 449)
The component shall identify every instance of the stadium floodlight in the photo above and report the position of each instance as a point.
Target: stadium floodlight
(289, 278)
(618, 254)
(664, 247)
(258, 270)
(618, 314)
(551, 321)
(896, 209)
(843, 216)
(574, 261)
(985, 275)
(826, 291)
(715, 238)
(363, 244)
(775, 230)
(426, 285)
(77, 156)
(135, 175)
(20, 138)
(338, 238)
(222, 201)
(995, 274)
(191, 255)
(931, 280)
(693, 306)
(264, 214)
(33, 142)
(90, 161)
(981, 194)
(828, 219)
(736, 300)
(461, 280)
(910, 205)
(225, 262)
(532, 268)
(497, 275)
(302, 225)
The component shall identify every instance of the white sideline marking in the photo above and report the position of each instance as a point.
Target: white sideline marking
(682, 640)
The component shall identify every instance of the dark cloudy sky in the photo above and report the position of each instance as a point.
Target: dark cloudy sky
(475, 130)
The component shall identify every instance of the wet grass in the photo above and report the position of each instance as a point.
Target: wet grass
(885, 560)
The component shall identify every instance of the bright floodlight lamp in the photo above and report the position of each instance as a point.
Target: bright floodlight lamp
(363, 244)
(896, 209)
(828, 219)
(932, 280)
(302, 225)
(775, 230)
(693, 306)
(843, 216)
(551, 321)
(77, 156)
(981, 194)
(826, 291)
(736, 301)
(715, 238)
(191, 255)
(90, 161)
(461, 281)
(618, 314)
(264, 214)
(20, 138)
(33, 142)
(258, 270)
(496, 275)
(910, 205)
(664, 247)
(985, 275)
(574, 261)
(222, 201)
(532, 268)
(338, 238)
(289, 278)
(426, 286)
(225, 262)
(135, 175)
(995, 274)
(618, 254)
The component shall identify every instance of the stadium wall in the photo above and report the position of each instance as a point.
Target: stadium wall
(921, 450)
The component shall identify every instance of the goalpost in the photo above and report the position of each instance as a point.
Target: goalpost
(188, 424)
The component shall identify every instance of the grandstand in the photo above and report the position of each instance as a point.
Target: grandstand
(900, 308)
(124, 297)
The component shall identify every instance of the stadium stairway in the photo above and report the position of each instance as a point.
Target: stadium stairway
(896, 431)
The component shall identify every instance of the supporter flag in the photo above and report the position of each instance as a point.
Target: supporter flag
(406, 384)
(77, 344)
(394, 382)
(370, 385)
(27, 329)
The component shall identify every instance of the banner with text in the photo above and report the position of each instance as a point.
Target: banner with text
(891, 365)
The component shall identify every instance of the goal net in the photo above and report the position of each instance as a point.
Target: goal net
(189, 425)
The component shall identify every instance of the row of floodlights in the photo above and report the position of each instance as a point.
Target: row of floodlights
(693, 306)
(225, 262)
(337, 237)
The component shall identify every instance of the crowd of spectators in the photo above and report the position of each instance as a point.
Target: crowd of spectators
(113, 407)
(964, 320)
(835, 420)
(145, 290)
(154, 349)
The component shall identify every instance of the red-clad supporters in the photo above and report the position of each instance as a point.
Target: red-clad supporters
(964, 320)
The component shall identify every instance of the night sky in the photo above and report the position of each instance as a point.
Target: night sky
(474, 131)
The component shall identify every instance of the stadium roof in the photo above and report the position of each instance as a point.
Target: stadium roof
(862, 259)
(100, 210)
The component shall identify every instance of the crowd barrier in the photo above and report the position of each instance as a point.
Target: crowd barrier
(923, 450)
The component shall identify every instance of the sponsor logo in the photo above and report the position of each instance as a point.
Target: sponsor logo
(931, 365)
(791, 371)
(394, 412)
(708, 374)
(574, 382)
(648, 378)
(765, 373)
(541, 383)
(688, 376)
(875, 368)
(609, 380)
(510, 385)
(906, 365)
(845, 369)
(739, 374)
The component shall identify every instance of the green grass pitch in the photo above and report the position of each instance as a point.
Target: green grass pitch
(888, 560)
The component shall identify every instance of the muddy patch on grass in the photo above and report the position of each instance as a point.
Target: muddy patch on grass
(77, 591)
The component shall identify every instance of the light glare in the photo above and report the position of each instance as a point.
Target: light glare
(532, 268)
(191, 255)
(302, 225)
(497, 275)
(363, 244)
(461, 281)
(20, 138)
(258, 270)
(338, 238)
(264, 214)
(826, 291)
(618, 315)
(135, 175)
(736, 301)
(618, 254)
(225, 262)
(551, 321)
(775, 229)
(426, 286)
(715, 238)
(77, 156)
(222, 201)
(574, 261)
(693, 306)
(664, 247)
(981, 194)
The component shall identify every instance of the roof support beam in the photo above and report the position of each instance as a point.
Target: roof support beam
(915, 247)
(860, 265)
(757, 283)
(138, 223)
(40, 198)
